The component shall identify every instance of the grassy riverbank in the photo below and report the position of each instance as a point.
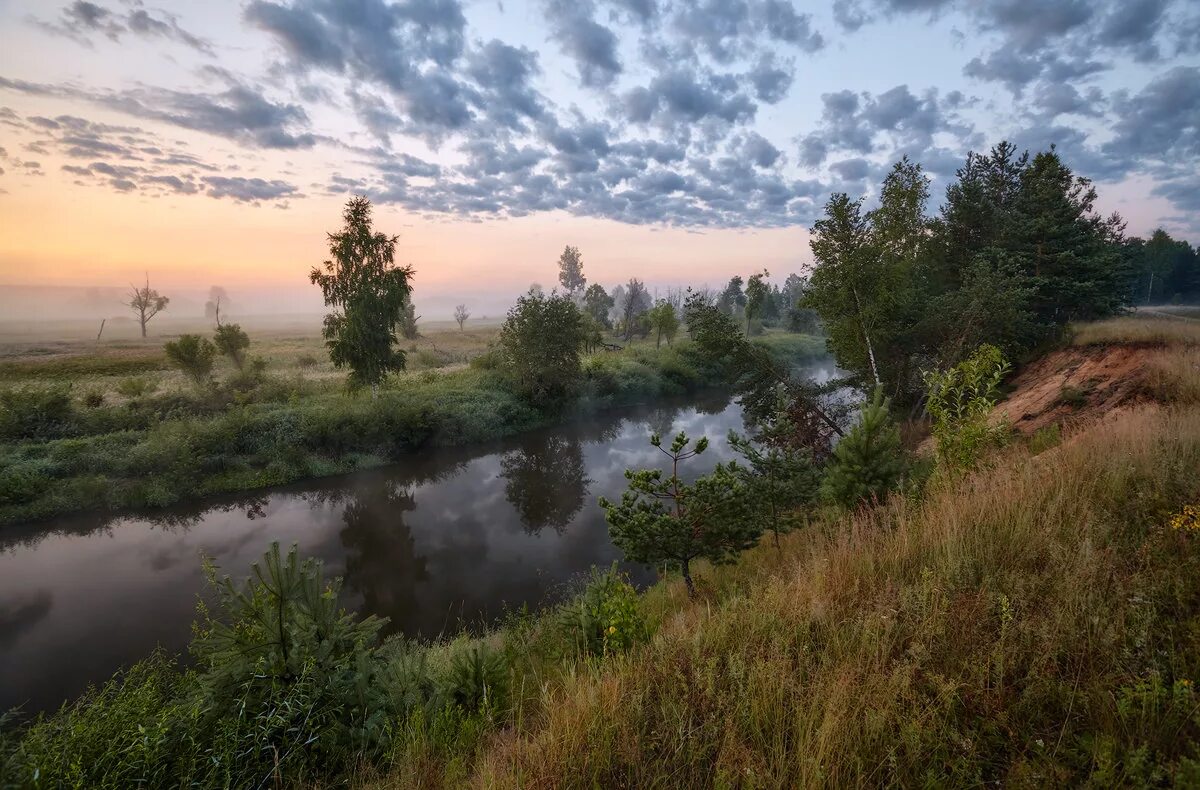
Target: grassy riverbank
(1035, 622)
(114, 428)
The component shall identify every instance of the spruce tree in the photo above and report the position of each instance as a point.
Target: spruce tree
(868, 462)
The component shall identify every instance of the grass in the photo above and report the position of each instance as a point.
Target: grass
(1151, 330)
(1034, 623)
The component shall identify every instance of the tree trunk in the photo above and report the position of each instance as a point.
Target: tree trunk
(866, 338)
(687, 580)
(143, 322)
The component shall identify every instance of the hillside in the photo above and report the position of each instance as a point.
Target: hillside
(1030, 624)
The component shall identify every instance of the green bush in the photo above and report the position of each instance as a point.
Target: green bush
(136, 387)
(960, 402)
(604, 618)
(36, 412)
(194, 355)
(476, 681)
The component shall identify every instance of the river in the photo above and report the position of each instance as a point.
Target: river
(445, 540)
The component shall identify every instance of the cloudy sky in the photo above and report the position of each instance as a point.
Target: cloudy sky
(676, 140)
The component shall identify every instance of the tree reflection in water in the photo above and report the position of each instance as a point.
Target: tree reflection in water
(546, 481)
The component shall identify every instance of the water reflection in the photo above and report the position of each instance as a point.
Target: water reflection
(446, 540)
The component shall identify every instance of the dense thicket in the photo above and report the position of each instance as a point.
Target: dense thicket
(1016, 252)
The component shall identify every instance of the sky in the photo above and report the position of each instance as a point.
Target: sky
(679, 141)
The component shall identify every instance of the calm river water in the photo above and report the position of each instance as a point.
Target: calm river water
(445, 540)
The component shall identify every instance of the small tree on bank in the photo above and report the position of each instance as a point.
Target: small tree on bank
(461, 315)
(146, 303)
(665, 521)
(541, 339)
(368, 292)
(757, 294)
(869, 461)
(664, 321)
(194, 355)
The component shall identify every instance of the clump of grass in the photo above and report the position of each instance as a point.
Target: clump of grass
(1137, 329)
(1072, 397)
(1044, 439)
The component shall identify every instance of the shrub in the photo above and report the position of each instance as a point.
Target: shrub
(541, 340)
(476, 681)
(869, 461)
(604, 618)
(194, 355)
(20, 485)
(93, 399)
(1045, 438)
(960, 402)
(306, 361)
(136, 387)
(35, 412)
(232, 342)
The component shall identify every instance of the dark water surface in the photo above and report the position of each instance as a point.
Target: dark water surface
(444, 540)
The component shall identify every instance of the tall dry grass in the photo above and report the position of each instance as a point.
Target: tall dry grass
(1154, 329)
(1035, 624)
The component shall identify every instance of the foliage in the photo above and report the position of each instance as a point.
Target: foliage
(541, 340)
(757, 376)
(633, 303)
(370, 295)
(604, 618)
(758, 295)
(136, 387)
(570, 270)
(35, 412)
(194, 355)
(597, 303)
(868, 462)
(476, 681)
(732, 299)
(782, 479)
(667, 521)
(959, 404)
(664, 321)
(232, 342)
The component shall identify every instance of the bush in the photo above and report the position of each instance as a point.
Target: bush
(93, 400)
(541, 340)
(306, 361)
(604, 618)
(135, 387)
(36, 412)
(960, 402)
(194, 355)
(232, 342)
(476, 681)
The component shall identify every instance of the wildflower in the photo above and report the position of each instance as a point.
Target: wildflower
(1187, 520)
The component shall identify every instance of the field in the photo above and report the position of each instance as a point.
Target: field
(111, 425)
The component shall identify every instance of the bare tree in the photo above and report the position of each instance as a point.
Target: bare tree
(461, 315)
(145, 303)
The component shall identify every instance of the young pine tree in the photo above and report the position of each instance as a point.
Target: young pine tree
(868, 462)
(664, 521)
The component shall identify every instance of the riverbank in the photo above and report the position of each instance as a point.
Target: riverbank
(1034, 622)
(140, 449)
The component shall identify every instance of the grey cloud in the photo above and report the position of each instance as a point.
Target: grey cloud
(851, 169)
(590, 44)
(248, 190)
(1160, 122)
(81, 19)
(771, 83)
(1184, 193)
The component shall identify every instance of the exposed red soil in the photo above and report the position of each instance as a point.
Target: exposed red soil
(1076, 384)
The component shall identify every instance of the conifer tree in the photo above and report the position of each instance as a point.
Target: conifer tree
(868, 462)
(666, 521)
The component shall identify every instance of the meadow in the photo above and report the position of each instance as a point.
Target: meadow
(110, 425)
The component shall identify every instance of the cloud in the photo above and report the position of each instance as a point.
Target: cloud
(82, 19)
(248, 190)
(1160, 122)
(590, 44)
